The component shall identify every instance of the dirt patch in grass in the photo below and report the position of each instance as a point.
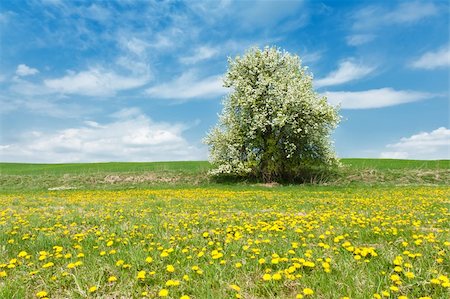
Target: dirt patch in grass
(141, 178)
(269, 185)
(395, 177)
(59, 188)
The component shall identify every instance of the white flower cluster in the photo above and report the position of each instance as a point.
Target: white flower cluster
(273, 122)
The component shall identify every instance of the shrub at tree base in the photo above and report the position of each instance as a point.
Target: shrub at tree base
(273, 126)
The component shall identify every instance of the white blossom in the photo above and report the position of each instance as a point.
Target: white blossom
(273, 123)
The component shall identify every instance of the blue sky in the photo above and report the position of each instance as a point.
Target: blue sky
(141, 80)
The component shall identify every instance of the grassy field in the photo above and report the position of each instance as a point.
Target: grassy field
(109, 176)
(396, 164)
(375, 229)
(216, 243)
(196, 166)
(112, 167)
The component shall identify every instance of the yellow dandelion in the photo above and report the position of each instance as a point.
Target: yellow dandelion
(120, 263)
(435, 281)
(48, 265)
(141, 275)
(149, 259)
(235, 287)
(163, 293)
(112, 279)
(267, 277)
(41, 294)
(393, 288)
(276, 276)
(170, 268)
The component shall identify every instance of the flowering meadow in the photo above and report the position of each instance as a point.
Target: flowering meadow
(227, 243)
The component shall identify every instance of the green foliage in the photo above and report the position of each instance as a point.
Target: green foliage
(273, 125)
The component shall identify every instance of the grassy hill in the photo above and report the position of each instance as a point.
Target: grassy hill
(120, 175)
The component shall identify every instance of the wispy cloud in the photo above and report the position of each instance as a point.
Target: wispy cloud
(24, 87)
(310, 56)
(131, 136)
(135, 45)
(42, 105)
(407, 12)
(282, 14)
(359, 39)
(253, 15)
(188, 86)
(346, 72)
(5, 17)
(96, 12)
(201, 53)
(375, 98)
(424, 145)
(95, 82)
(24, 70)
(433, 59)
(412, 11)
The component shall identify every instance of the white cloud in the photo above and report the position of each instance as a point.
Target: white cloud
(135, 66)
(45, 107)
(424, 145)
(135, 45)
(129, 137)
(359, 39)
(5, 17)
(96, 12)
(24, 70)
(188, 86)
(253, 15)
(433, 60)
(346, 72)
(408, 12)
(95, 82)
(310, 57)
(375, 98)
(24, 87)
(271, 13)
(201, 53)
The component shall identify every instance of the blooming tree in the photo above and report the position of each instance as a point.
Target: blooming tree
(273, 124)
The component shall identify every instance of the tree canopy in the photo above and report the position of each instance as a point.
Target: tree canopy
(273, 124)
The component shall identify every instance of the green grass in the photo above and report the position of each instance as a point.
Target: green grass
(111, 167)
(288, 233)
(148, 208)
(113, 176)
(396, 164)
(194, 166)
